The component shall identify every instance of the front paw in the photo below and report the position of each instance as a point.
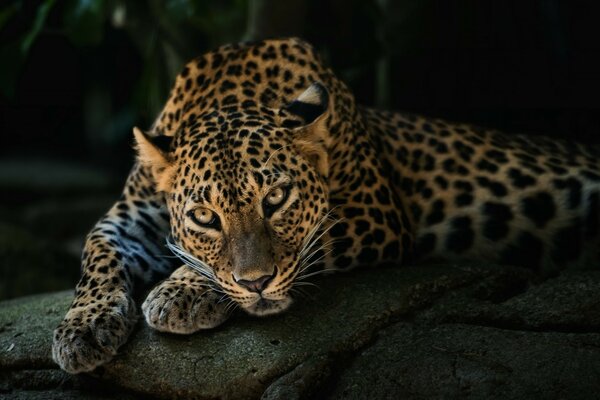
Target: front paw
(90, 335)
(182, 307)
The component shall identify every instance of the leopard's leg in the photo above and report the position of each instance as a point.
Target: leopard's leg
(185, 303)
(126, 245)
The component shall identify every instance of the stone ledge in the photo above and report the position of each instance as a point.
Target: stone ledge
(462, 361)
(356, 330)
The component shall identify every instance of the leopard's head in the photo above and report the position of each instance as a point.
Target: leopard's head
(247, 195)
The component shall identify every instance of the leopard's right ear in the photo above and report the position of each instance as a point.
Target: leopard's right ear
(310, 134)
(154, 152)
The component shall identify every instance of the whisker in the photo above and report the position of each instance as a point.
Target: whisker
(312, 246)
(303, 294)
(192, 171)
(197, 265)
(327, 229)
(298, 292)
(309, 241)
(167, 256)
(273, 153)
(306, 284)
(311, 255)
(230, 307)
(323, 271)
(309, 261)
(223, 298)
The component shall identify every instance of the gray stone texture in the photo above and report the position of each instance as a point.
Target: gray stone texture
(419, 332)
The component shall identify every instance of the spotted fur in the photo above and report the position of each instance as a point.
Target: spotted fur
(261, 171)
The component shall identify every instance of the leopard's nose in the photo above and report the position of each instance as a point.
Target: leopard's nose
(257, 285)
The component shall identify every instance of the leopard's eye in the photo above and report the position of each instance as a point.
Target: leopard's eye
(276, 196)
(205, 217)
(275, 199)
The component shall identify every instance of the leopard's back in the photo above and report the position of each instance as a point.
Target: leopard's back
(482, 194)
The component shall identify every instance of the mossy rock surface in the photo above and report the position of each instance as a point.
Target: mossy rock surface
(429, 333)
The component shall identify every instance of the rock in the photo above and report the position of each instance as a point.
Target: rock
(385, 333)
(462, 361)
(242, 358)
(567, 303)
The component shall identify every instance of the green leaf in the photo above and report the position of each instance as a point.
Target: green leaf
(84, 21)
(15, 52)
(38, 23)
(178, 10)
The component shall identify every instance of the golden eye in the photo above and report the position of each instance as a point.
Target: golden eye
(276, 196)
(204, 217)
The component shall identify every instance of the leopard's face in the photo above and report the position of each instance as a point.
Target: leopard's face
(244, 206)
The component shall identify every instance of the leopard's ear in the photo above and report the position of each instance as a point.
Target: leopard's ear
(153, 152)
(311, 111)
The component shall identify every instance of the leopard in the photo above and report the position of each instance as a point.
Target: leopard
(262, 171)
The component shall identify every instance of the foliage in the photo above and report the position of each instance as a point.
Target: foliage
(15, 52)
(164, 34)
(156, 37)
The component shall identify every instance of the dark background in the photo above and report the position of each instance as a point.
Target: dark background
(76, 76)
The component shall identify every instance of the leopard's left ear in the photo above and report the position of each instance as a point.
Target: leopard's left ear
(311, 111)
(153, 152)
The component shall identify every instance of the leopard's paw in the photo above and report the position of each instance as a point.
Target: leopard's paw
(90, 335)
(182, 307)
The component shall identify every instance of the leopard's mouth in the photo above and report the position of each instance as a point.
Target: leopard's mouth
(264, 307)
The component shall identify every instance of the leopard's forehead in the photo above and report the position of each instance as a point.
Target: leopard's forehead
(234, 144)
(232, 159)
